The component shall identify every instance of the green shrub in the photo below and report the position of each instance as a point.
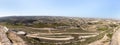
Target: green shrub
(110, 35)
(113, 25)
(102, 28)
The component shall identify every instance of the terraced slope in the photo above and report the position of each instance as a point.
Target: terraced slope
(48, 30)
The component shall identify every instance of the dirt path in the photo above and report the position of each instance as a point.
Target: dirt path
(47, 38)
(100, 42)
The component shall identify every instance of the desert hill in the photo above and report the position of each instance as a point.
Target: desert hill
(59, 30)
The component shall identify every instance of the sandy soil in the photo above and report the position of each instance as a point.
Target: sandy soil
(116, 38)
(100, 42)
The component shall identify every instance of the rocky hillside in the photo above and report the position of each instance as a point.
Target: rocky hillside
(56, 21)
(43, 21)
(8, 37)
(57, 30)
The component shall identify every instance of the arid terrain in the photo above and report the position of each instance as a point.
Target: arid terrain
(58, 30)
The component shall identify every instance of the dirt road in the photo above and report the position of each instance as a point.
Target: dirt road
(100, 42)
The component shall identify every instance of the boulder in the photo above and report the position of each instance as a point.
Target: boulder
(21, 33)
(3, 37)
(16, 39)
(8, 37)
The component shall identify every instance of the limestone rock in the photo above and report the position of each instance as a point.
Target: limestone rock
(16, 40)
(8, 37)
(21, 33)
(3, 37)
(116, 38)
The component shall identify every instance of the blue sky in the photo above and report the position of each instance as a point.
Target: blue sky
(72, 8)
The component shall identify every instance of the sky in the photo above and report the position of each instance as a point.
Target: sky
(71, 8)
